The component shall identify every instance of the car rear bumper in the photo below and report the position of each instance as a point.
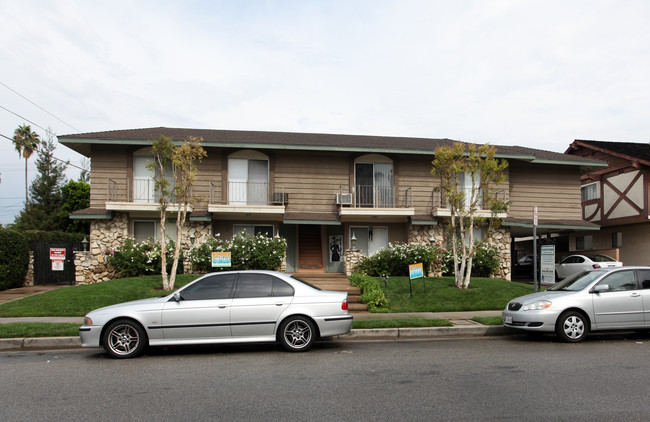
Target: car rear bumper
(334, 325)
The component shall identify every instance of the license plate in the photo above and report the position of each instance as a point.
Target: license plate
(507, 319)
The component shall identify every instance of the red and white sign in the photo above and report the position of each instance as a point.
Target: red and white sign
(57, 254)
(535, 216)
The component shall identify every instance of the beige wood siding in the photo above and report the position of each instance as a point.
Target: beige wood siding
(107, 163)
(554, 189)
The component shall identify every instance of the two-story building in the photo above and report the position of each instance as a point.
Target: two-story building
(615, 197)
(325, 194)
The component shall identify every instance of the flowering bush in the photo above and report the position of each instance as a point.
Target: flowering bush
(246, 252)
(133, 259)
(395, 259)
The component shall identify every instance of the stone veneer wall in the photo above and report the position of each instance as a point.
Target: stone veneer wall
(425, 235)
(106, 235)
(351, 258)
(29, 277)
(500, 238)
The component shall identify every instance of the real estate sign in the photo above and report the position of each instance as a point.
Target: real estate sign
(547, 264)
(221, 259)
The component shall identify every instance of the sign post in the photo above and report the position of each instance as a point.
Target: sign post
(535, 247)
(415, 271)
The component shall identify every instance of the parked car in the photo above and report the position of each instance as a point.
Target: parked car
(524, 267)
(225, 307)
(576, 263)
(601, 299)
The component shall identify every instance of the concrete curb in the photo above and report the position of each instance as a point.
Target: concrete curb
(45, 343)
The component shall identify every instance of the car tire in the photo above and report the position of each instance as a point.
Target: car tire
(572, 327)
(297, 334)
(124, 338)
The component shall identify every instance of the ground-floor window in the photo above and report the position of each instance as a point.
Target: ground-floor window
(143, 230)
(254, 229)
(369, 239)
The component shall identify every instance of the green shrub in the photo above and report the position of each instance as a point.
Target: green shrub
(246, 253)
(371, 292)
(134, 259)
(53, 236)
(484, 264)
(14, 259)
(395, 260)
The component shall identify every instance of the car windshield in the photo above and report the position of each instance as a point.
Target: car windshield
(576, 281)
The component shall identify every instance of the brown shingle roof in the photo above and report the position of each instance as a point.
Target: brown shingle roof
(293, 140)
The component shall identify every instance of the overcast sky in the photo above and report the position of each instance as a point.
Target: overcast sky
(531, 73)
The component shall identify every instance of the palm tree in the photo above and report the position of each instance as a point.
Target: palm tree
(26, 142)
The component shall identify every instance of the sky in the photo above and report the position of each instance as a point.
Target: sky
(538, 74)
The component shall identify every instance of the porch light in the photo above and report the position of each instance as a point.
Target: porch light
(84, 244)
(354, 240)
(192, 239)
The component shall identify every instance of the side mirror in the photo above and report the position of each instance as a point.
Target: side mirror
(177, 296)
(601, 288)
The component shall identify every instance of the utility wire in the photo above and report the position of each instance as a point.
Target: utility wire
(58, 159)
(33, 103)
(35, 124)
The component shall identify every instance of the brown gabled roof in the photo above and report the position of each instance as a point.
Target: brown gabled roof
(301, 141)
(632, 151)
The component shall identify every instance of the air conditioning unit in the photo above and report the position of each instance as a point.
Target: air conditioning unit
(280, 198)
(344, 199)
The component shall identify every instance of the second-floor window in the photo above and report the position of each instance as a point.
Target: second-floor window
(248, 181)
(374, 182)
(144, 186)
(589, 192)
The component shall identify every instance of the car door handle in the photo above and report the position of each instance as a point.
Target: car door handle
(222, 306)
(635, 294)
(279, 304)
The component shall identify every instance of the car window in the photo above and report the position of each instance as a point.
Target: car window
(620, 281)
(282, 288)
(577, 281)
(212, 287)
(602, 258)
(254, 285)
(644, 278)
(579, 260)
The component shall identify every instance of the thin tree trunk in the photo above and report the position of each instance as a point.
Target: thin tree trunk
(26, 185)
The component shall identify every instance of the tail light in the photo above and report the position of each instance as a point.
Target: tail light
(596, 266)
(344, 305)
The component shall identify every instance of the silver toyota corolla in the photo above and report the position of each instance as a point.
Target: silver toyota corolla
(226, 307)
(604, 299)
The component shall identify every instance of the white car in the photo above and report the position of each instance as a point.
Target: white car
(224, 307)
(576, 263)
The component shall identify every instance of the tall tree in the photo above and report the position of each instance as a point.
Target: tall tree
(469, 178)
(43, 209)
(182, 161)
(75, 195)
(26, 142)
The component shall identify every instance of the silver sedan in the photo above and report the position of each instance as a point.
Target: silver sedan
(603, 299)
(226, 307)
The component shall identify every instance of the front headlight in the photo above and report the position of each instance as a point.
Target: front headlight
(536, 306)
(88, 321)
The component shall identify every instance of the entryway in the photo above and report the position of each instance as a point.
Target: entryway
(310, 249)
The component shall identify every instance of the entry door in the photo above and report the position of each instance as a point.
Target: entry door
(371, 239)
(310, 249)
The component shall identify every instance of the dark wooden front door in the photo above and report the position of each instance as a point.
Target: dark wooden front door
(310, 249)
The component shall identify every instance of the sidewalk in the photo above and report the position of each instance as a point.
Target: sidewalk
(463, 326)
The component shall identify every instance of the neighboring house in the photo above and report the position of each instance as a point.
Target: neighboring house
(332, 197)
(616, 198)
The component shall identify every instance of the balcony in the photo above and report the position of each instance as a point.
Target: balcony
(248, 199)
(138, 194)
(440, 205)
(375, 203)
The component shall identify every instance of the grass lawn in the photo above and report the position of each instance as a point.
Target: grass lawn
(79, 300)
(438, 294)
(401, 323)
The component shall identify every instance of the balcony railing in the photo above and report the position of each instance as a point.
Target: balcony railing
(375, 196)
(141, 190)
(439, 199)
(248, 193)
